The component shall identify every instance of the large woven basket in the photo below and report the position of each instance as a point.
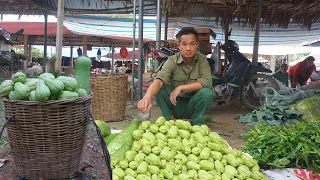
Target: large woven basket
(109, 96)
(47, 138)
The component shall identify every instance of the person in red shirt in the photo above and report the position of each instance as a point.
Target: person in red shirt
(301, 72)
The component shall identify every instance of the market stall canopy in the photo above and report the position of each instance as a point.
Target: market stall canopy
(35, 30)
(38, 7)
(32, 28)
(106, 26)
(243, 35)
(279, 50)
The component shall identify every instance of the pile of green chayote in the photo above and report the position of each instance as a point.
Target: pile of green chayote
(177, 150)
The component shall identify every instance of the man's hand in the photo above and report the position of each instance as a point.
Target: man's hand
(174, 94)
(144, 105)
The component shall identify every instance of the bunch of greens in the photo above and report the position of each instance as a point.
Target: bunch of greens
(273, 115)
(291, 145)
(287, 99)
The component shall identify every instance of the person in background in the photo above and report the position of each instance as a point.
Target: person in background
(183, 87)
(282, 75)
(301, 72)
(79, 51)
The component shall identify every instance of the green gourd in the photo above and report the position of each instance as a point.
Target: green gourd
(68, 95)
(19, 77)
(13, 96)
(56, 86)
(5, 88)
(31, 83)
(46, 75)
(21, 90)
(70, 83)
(32, 96)
(82, 92)
(82, 74)
(42, 92)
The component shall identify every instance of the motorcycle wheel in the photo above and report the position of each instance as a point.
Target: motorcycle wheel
(250, 92)
(4, 72)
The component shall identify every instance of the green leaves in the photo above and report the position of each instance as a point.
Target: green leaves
(292, 145)
(272, 115)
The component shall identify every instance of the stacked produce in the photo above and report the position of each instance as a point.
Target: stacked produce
(177, 150)
(45, 87)
(309, 107)
(291, 145)
(286, 132)
(288, 109)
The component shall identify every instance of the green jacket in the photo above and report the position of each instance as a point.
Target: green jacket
(175, 72)
(282, 77)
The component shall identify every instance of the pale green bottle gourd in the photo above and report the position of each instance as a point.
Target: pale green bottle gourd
(82, 74)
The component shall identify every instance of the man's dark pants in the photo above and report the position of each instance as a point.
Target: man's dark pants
(193, 108)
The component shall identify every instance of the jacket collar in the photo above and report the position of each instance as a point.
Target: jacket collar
(180, 59)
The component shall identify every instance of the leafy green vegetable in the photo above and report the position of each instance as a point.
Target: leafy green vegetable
(291, 145)
(310, 109)
(273, 115)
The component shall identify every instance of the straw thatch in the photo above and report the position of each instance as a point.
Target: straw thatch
(274, 12)
(20, 7)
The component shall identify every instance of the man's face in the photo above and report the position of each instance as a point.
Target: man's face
(284, 69)
(188, 45)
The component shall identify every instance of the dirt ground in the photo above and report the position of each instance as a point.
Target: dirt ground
(93, 164)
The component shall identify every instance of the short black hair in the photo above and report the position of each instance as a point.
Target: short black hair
(310, 58)
(186, 31)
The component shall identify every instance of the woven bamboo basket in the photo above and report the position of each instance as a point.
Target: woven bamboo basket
(109, 97)
(47, 138)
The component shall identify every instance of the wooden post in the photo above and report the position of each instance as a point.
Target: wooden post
(71, 56)
(273, 63)
(256, 35)
(25, 51)
(45, 59)
(226, 31)
(30, 54)
(140, 47)
(59, 38)
(158, 31)
(166, 26)
(226, 38)
(112, 61)
(85, 47)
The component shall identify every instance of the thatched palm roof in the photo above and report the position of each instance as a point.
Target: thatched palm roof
(274, 12)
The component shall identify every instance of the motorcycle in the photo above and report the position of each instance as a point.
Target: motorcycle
(241, 78)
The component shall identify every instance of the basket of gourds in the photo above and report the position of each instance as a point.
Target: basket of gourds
(47, 125)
